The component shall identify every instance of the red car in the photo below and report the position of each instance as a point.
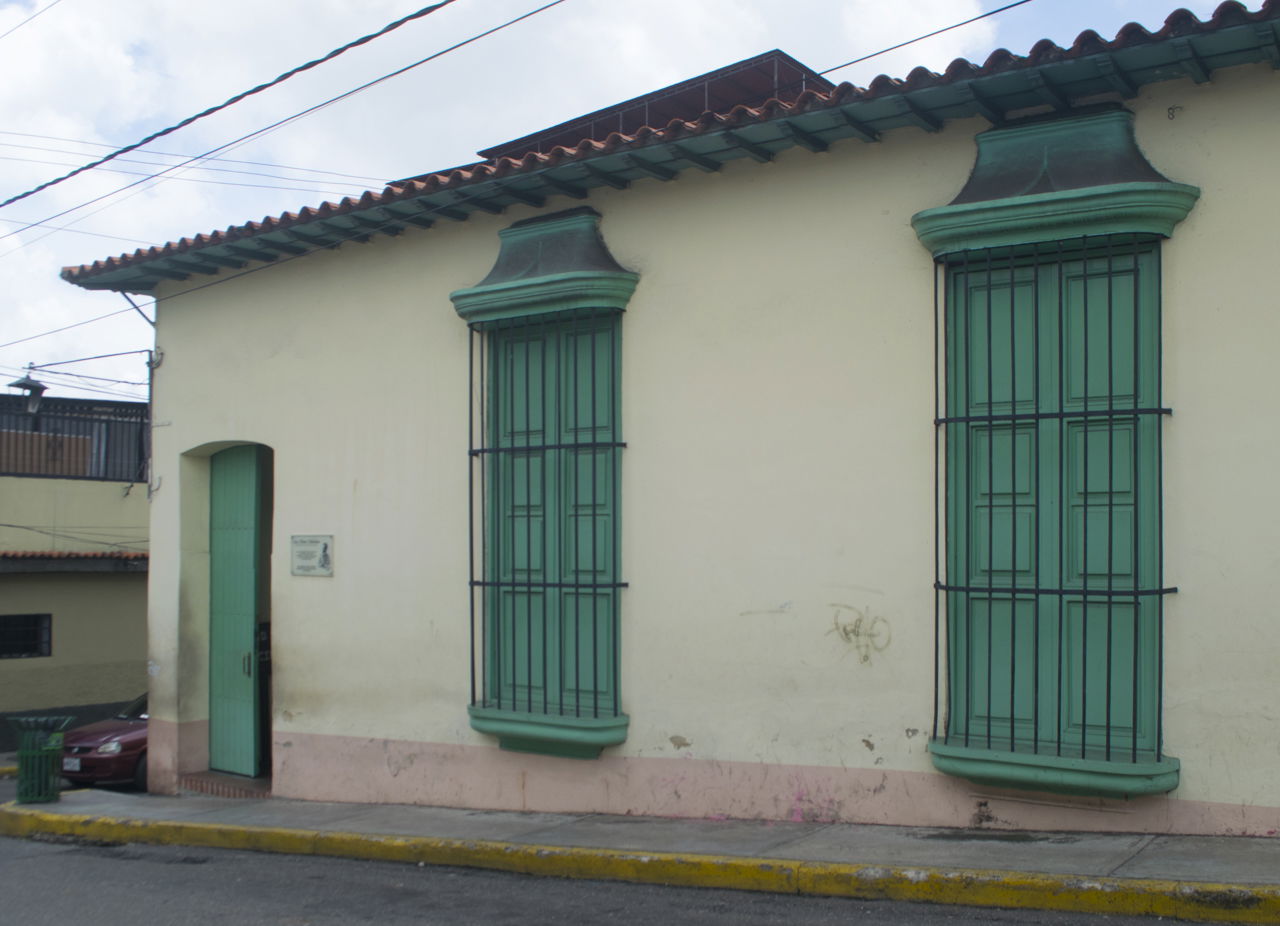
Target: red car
(109, 751)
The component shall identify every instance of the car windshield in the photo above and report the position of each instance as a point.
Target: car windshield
(137, 710)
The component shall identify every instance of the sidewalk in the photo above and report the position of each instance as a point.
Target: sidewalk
(1213, 879)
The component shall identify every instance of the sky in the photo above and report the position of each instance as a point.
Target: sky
(86, 76)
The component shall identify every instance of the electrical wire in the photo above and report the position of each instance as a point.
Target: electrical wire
(100, 379)
(79, 538)
(29, 18)
(45, 334)
(921, 38)
(390, 27)
(172, 154)
(79, 231)
(62, 383)
(216, 170)
(288, 119)
(254, 186)
(60, 363)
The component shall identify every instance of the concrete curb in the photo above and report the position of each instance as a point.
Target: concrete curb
(1203, 901)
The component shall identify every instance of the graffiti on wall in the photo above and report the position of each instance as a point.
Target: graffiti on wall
(867, 633)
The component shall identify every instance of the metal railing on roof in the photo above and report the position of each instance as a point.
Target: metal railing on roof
(74, 439)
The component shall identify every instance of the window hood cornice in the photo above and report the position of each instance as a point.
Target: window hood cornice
(1057, 178)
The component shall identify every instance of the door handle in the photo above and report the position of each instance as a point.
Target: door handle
(246, 665)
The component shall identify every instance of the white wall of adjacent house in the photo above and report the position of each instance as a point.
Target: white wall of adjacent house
(777, 496)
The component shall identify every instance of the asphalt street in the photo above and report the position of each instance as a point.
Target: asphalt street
(58, 883)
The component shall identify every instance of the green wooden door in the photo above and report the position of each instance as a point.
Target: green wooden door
(238, 523)
(553, 495)
(1053, 490)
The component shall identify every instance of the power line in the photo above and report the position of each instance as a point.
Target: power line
(60, 381)
(255, 186)
(79, 538)
(61, 384)
(43, 334)
(46, 373)
(172, 154)
(288, 119)
(919, 38)
(77, 231)
(218, 170)
(390, 27)
(60, 363)
(31, 17)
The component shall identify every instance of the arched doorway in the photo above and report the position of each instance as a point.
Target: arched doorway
(240, 502)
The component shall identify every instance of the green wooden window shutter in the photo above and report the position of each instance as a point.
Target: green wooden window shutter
(1052, 514)
(554, 526)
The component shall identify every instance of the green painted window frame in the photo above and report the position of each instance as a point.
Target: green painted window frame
(1024, 711)
(1048, 190)
(555, 275)
(550, 660)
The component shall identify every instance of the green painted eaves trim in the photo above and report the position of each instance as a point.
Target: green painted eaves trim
(1142, 208)
(1060, 85)
(1058, 774)
(550, 734)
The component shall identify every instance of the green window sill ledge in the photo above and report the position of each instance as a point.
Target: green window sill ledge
(550, 734)
(1057, 774)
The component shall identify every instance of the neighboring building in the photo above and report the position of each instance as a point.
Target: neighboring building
(894, 455)
(73, 557)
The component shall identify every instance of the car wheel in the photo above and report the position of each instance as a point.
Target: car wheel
(140, 772)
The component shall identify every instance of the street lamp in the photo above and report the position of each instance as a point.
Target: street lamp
(34, 389)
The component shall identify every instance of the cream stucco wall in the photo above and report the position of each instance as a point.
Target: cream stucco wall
(63, 515)
(777, 493)
(99, 640)
(98, 618)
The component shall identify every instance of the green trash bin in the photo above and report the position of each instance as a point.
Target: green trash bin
(40, 757)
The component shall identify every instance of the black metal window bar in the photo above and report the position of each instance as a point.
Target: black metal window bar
(1049, 607)
(75, 439)
(23, 636)
(545, 454)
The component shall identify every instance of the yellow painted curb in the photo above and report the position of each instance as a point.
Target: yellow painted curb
(8, 771)
(1202, 901)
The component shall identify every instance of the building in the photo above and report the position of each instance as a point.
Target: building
(73, 556)
(893, 455)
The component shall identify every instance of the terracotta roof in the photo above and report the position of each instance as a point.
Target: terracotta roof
(64, 554)
(1047, 78)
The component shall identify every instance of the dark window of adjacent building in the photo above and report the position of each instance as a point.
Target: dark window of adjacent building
(23, 636)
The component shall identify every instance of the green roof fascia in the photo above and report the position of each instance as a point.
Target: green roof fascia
(1143, 208)
(564, 735)
(995, 94)
(1057, 774)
